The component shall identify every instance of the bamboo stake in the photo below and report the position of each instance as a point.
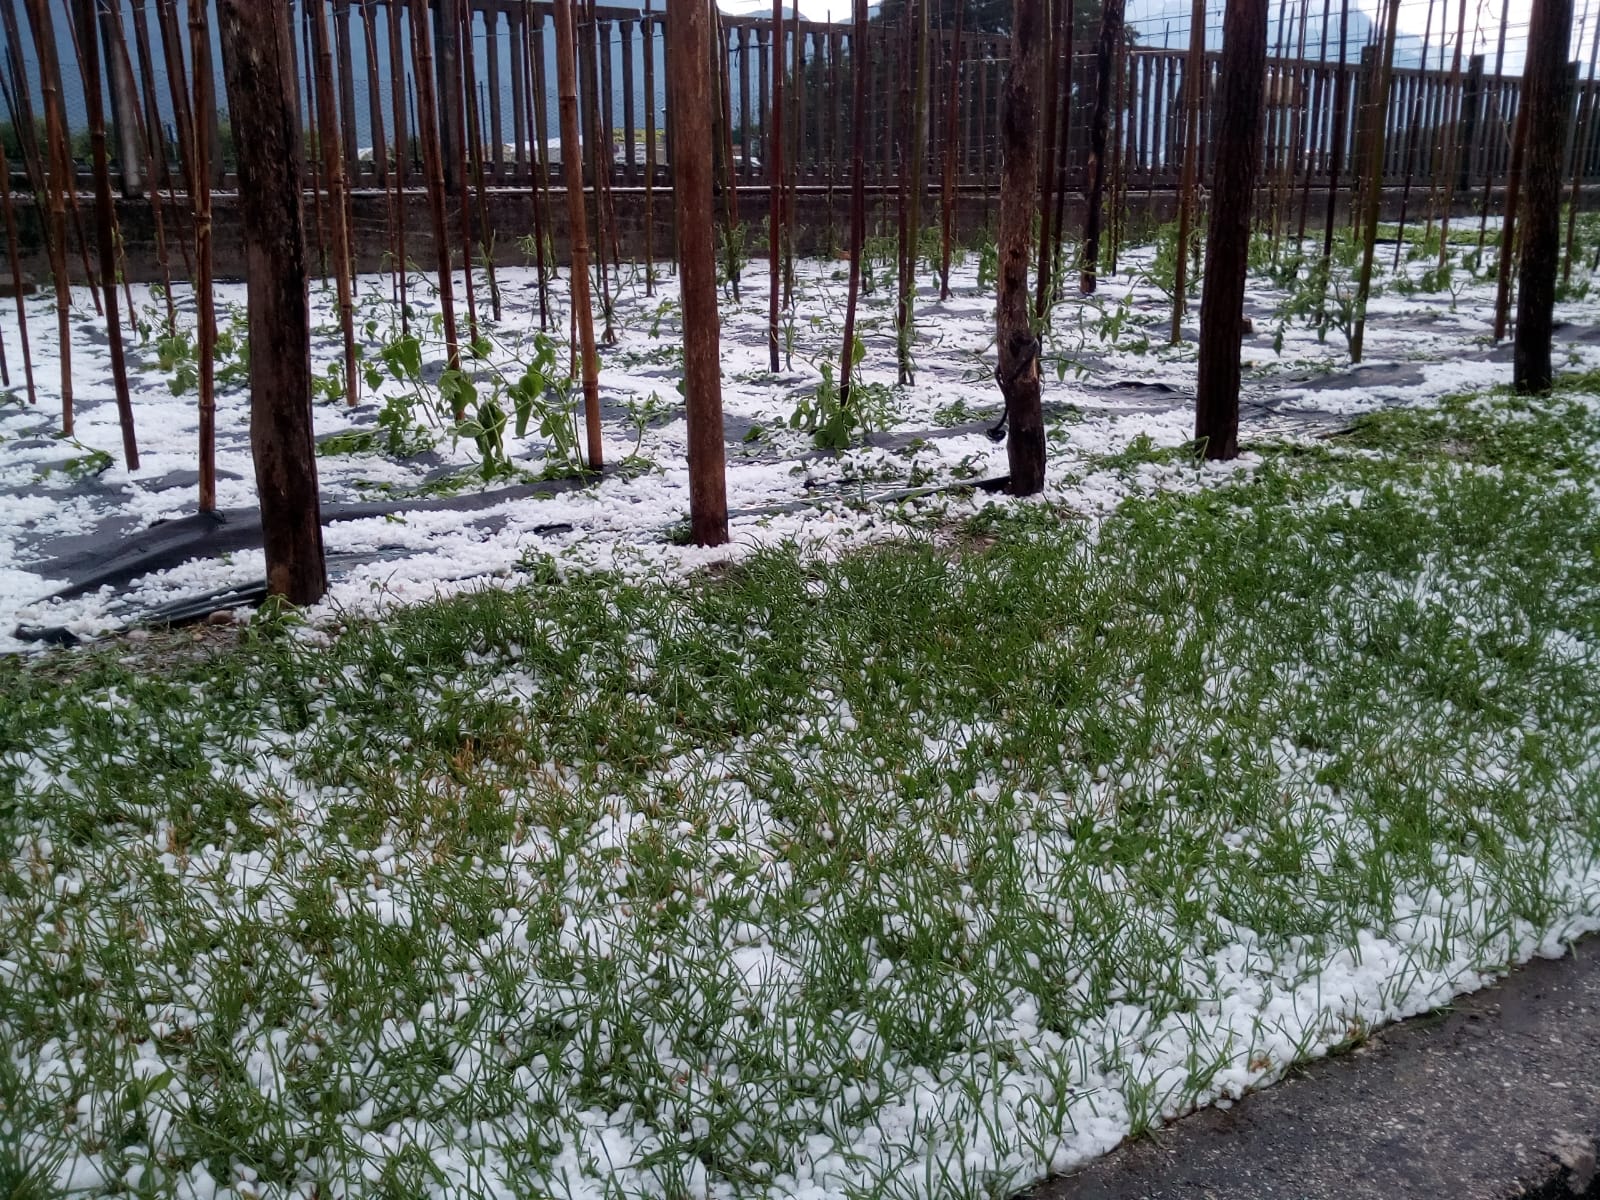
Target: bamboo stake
(646, 30)
(775, 183)
(577, 224)
(16, 272)
(89, 41)
(1110, 40)
(469, 56)
(729, 184)
(902, 135)
(380, 147)
(1064, 139)
(145, 136)
(948, 191)
(1411, 143)
(1047, 172)
(535, 168)
(453, 115)
(541, 126)
(333, 164)
(859, 66)
(309, 57)
(54, 68)
(205, 301)
(1508, 230)
(1499, 93)
(797, 144)
(402, 163)
(1454, 135)
(1373, 195)
(1341, 103)
(1579, 152)
(56, 186)
(597, 146)
(918, 174)
(1191, 164)
(433, 169)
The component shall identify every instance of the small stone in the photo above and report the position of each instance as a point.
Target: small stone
(1248, 327)
(1576, 1154)
(223, 616)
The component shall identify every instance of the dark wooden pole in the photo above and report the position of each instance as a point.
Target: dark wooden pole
(1341, 104)
(1236, 137)
(16, 272)
(58, 181)
(859, 65)
(1193, 68)
(775, 182)
(948, 188)
(577, 226)
(1018, 346)
(690, 113)
(1580, 151)
(333, 163)
(258, 63)
(1107, 55)
(1547, 81)
(433, 170)
(205, 299)
(89, 44)
(1372, 194)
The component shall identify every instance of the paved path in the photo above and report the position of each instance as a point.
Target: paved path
(1498, 1096)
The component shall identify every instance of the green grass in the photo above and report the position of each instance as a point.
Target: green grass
(1003, 842)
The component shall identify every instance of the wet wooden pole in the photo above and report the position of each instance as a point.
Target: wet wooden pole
(775, 182)
(1508, 228)
(433, 170)
(1499, 106)
(1547, 100)
(402, 163)
(1453, 135)
(1341, 105)
(105, 223)
(333, 167)
(205, 300)
(951, 133)
(577, 227)
(647, 36)
(258, 62)
(689, 111)
(1194, 67)
(1018, 372)
(1580, 146)
(1236, 137)
(58, 180)
(859, 66)
(16, 273)
(1107, 55)
(1372, 194)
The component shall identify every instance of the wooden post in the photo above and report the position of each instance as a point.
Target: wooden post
(1508, 228)
(89, 44)
(1018, 372)
(1580, 151)
(1499, 108)
(333, 163)
(1194, 67)
(774, 165)
(647, 37)
(16, 271)
(948, 188)
(1547, 80)
(1341, 105)
(205, 301)
(1054, 113)
(1237, 137)
(859, 66)
(259, 65)
(577, 226)
(1372, 195)
(1106, 52)
(1452, 142)
(1411, 143)
(57, 182)
(689, 111)
(428, 128)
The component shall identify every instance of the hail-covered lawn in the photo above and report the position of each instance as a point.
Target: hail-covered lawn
(918, 871)
(1113, 381)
